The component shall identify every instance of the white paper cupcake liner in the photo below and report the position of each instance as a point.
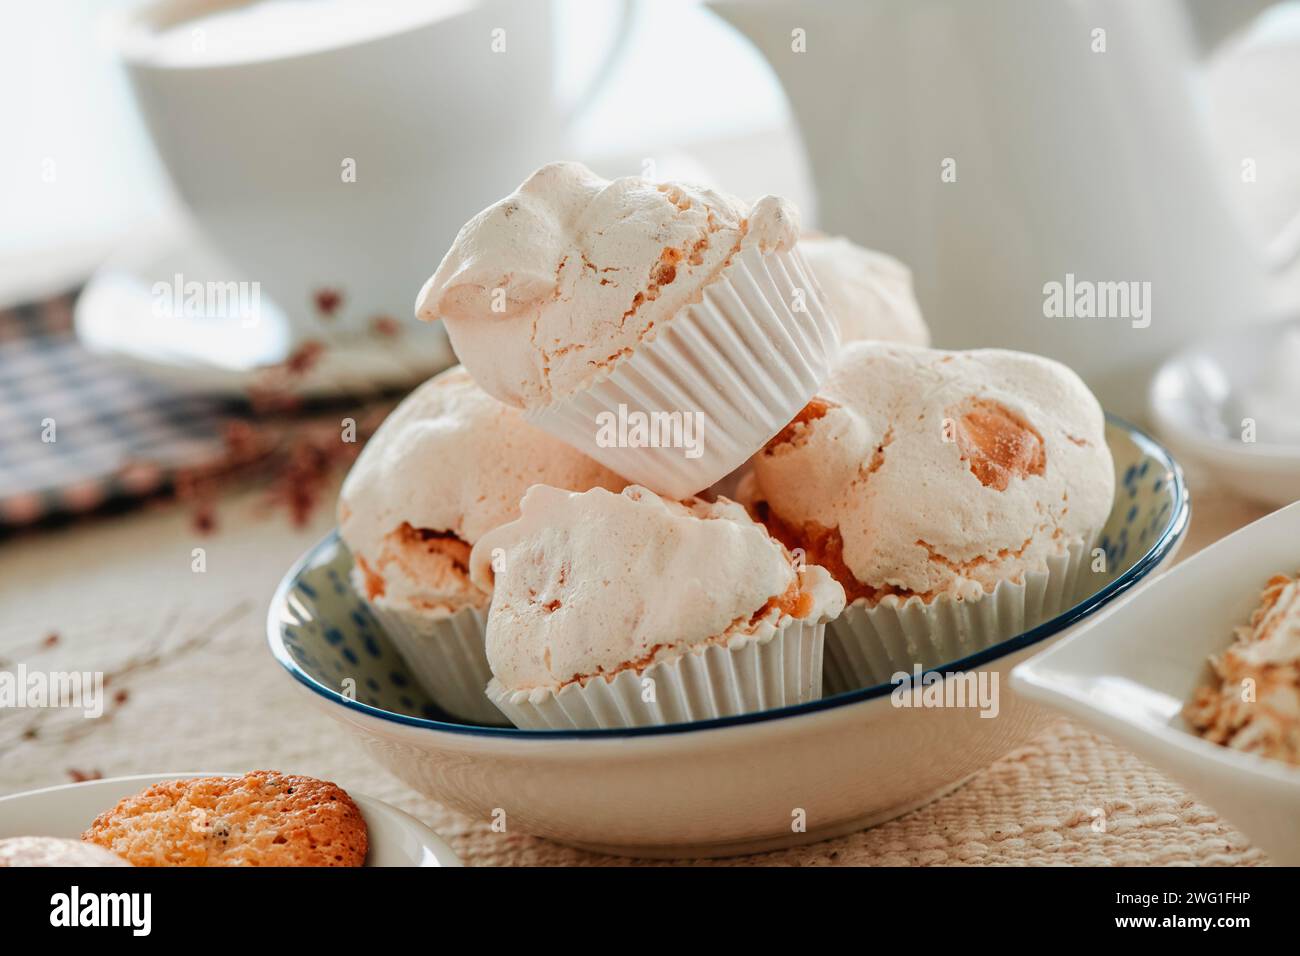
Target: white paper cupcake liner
(781, 669)
(446, 656)
(866, 646)
(741, 358)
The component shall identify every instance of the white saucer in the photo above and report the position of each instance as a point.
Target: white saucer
(1200, 397)
(225, 354)
(396, 838)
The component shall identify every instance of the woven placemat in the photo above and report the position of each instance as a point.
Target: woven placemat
(195, 690)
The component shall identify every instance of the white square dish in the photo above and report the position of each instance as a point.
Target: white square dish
(1129, 671)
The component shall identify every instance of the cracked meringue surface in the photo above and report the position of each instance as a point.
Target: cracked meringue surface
(869, 293)
(920, 472)
(449, 464)
(595, 583)
(547, 290)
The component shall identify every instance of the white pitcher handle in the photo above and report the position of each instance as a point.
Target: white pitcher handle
(1284, 249)
(622, 33)
(1213, 21)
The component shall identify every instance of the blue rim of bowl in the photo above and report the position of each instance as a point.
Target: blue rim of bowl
(1165, 543)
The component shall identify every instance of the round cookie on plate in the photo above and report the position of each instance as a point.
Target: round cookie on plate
(263, 818)
(449, 464)
(664, 329)
(954, 495)
(621, 610)
(869, 293)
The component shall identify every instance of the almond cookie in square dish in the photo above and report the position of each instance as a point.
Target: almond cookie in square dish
(1253, 702)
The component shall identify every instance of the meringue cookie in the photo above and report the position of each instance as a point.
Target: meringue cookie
(592, 584)
(544, 292)
(449, 464)
(869, 293)
(919, 473)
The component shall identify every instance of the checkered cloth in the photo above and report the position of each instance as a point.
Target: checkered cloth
(78, 433)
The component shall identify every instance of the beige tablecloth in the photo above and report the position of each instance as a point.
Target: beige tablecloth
(193, 688)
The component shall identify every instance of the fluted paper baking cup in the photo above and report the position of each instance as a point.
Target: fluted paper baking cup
(712, 385)
(866, 646)
(446, 656)
(782, 668)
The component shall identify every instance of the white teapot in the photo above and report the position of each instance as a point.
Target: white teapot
(1042, 165)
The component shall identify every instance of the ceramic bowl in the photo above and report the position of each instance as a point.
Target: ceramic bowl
(1207, 400)
(718, 787)
(1129, 670)
(396, 838)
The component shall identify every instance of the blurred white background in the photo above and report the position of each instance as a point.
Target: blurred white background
(66, 112)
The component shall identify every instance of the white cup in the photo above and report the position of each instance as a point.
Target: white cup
(332, 148)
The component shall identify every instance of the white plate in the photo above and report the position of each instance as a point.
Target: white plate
(114, 317)
(1200, 397)
(1128, 671)
(396, 838)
